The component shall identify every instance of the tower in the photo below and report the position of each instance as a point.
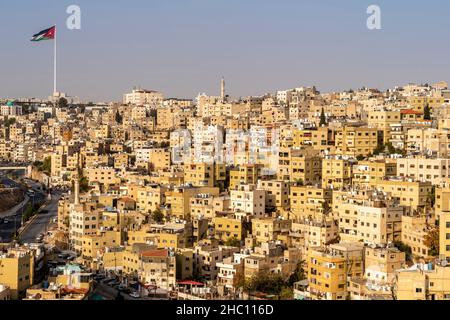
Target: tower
(222, 89)
(77, 191)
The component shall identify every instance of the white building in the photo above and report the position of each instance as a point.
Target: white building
(11, 110)
(249, 200)
(143, 97)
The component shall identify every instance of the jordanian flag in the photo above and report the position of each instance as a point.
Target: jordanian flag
(47, 34)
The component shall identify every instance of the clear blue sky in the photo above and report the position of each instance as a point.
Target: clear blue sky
(182, 47)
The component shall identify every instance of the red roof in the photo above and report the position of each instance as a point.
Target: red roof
(409, 111)
(190, 283)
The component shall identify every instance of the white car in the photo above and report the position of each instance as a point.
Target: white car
(135, 295)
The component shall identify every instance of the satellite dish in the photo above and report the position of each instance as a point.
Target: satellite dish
(444, 263)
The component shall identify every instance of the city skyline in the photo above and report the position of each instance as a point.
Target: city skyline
(183, 48)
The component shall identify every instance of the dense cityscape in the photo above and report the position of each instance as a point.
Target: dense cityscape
(291, 195)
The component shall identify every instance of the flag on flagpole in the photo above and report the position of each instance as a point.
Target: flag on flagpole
(47, 34)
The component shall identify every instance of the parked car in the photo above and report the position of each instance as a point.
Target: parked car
(135, 295)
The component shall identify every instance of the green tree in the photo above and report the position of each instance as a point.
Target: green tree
(158, 216)
(119, 118)
(404, 248)
(233, 242)
(431, 198)
(62, 103)
(379, 149)
(360, 157)
(28, 213)
(47, 165)
(153, 113)
(298, 275)
(265, 282)
(326, 207)
(286, 294)
(323, 118)
(432, 242)
(427, 112)
(10, 122)
(84, 184)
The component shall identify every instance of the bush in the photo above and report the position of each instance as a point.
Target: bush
(404, 248)
(233, 242)
(265, 282)
(158, 216)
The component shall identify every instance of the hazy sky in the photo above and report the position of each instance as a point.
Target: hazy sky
(182, 47)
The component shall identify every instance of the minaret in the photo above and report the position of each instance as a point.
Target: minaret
(222, 89)
(77, 191)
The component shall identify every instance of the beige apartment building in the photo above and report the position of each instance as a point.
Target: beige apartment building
(330, 268)
(367, 217)
(277, 194)
(149, 197)
(231, 272)
(356, 141)
(381, 263)
(105, 176)
(208, 257)
(411, 194)
(299, 165)
(269, 229)
(428, 141)
(308, 202)
(419, 284)
(245, 174)
(415, 229)
(178, 199)
(230, 227)
(208, 206)
(307, 234)
(436, 171)
(383, 120)
(321, 139)
(82, 222)
(336, 173)
(205, 175)
(248, 199)
(16, 271)
(370, 173)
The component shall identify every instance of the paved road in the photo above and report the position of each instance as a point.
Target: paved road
(7, 230)
(13, 211)
(41, 223)
(110, 293)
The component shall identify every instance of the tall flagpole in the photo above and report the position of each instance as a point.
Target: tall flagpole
(54, 68)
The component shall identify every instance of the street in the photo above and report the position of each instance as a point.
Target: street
(14, 215)
(40, 224)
